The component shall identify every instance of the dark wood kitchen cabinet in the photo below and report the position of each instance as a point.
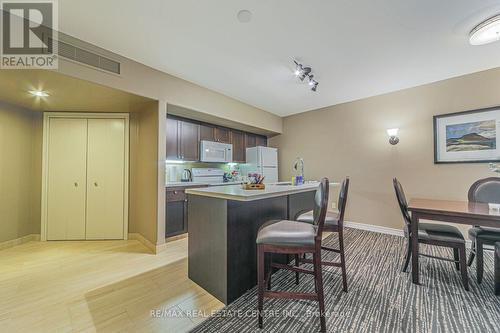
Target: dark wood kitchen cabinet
(214, 133)
(253, 140)
(207, 132)
(173, 139)
(261, 141)
(189, 139)
(250, 140)
(239, 148)
(176, 207)
(222, 135)
(184, 136)
(182, 140)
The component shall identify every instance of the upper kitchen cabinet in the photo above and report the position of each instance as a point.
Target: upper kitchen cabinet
(222, 135)
(261, 140)
(239, 148)
(213, 133)
(173, 152)
(184, 137)
(182, 140)
(189, 141)
(207, 132)
(250, 140)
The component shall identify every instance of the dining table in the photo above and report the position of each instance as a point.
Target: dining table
(460, 212)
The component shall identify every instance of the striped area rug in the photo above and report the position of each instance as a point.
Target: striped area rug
(381, 298)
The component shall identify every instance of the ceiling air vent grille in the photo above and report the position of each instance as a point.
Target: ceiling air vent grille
(89, 58)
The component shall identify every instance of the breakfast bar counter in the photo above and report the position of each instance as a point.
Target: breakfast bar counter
(236, 192)
(222, 225)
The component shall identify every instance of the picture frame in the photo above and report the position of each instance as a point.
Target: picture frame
(467, 137)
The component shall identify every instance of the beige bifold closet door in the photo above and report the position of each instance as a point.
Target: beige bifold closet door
(86, 178)
(67, 178)
(105, 175)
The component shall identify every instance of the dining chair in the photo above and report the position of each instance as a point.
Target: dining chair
(433, 234)
(485, 190)
(497, 268)
(292, 237)
(334, 222)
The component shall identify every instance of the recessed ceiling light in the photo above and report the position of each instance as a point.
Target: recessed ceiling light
(39, 93)
(244, 16)
(486, 32)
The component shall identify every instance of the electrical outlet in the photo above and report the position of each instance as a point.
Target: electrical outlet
(334, 205)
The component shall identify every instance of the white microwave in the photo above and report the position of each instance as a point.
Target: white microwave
(216, 152)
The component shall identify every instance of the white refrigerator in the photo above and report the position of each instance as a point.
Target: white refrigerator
(264, 160)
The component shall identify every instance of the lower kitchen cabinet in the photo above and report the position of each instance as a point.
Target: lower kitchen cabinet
(176, 218)
(176, 223)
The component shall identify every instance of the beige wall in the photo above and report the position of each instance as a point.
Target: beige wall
(143, 205)
(350, 140)
(20, 169)
(145, 81)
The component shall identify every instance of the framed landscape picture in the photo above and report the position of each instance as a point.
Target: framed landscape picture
(467, 137)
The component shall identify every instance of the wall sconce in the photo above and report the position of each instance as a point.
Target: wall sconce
(393, 136)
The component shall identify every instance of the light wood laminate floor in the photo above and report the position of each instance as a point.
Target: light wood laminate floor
(99, 286)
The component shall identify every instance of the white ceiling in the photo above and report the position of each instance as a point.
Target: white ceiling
(357, 48)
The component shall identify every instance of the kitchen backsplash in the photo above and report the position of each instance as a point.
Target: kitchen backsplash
(174, 170)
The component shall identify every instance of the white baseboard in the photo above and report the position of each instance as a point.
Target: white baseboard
(19, 241)
(374, 228)
(392, 231)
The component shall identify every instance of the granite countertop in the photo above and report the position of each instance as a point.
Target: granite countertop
(236, 192)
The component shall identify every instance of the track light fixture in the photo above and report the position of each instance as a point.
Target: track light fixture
(302, 72)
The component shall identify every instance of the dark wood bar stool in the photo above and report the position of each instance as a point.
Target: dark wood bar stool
(291, 237)
(334, 222)
(485, 190)
(433, 234)
(497, 268)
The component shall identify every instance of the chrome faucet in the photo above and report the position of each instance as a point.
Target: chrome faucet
(299, 160)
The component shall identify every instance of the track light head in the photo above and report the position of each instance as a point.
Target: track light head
(305, 73)
(314, 85)
(311, 81)
(298, 69)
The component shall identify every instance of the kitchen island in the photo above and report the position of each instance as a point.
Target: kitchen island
(222, 225)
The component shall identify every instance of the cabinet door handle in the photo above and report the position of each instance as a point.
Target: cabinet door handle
(76, 184)
(95, 184)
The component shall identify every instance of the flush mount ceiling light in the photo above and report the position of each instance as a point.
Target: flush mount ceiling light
(302, 72)
(486, 32)
(39, 93)
(244, 16)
